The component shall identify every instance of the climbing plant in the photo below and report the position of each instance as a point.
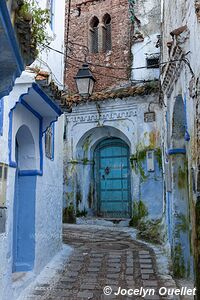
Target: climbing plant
(31, 12)
(132, 10)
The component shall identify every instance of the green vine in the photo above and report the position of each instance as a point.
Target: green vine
(132, 10)
(39, 18)
(140, 211)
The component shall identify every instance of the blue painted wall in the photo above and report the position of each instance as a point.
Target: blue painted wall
(169, 216)
(24, 223)
(181, 246)
(1, 115)
(151, 190)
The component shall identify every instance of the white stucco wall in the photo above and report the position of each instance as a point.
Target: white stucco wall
(48, 59)
(145, 39)
(141, 51)
(48, 194)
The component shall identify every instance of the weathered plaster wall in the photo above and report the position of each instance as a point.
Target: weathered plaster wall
(49, 203)
(88, 124)
(182, 79)
(146, 37)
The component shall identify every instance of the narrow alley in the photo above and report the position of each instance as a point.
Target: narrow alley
(103, 258)
(99, 149)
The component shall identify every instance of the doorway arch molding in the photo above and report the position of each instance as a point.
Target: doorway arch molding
(87, 143)
(84, 167)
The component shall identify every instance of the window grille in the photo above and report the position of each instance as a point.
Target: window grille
(49, 142)
(95, 40)
(152, 62)
(107, 38)
(94, 32)
(108, 45)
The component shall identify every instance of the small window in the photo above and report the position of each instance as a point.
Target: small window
(94, 32)
(107, 39)
(49, 142)
(1, 171)
(152, 62)
(5, 173)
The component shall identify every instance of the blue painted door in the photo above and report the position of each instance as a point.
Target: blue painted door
(24, 223)
(113, 178)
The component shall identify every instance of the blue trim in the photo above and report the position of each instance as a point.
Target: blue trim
(41, 148)
(176, 151)
(34, 112)
(46, 98)
(24, 232)
(1, 115)
(30, 173)
(58, 111)
(18, 63)
(5, 18)
(12, 163)
(23, 267)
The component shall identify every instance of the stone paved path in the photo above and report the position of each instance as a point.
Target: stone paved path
(102, 258)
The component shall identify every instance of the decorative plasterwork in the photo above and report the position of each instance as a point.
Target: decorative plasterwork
(173, 70)
(105, 116)
(176, 55)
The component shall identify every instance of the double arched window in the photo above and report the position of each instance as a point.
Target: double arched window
(100, 34)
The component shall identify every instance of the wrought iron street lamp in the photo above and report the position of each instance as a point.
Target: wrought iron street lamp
(85, 81)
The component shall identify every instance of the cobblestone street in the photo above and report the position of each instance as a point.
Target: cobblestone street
(102, 257)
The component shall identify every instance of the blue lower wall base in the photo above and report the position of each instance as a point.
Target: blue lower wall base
(176, 151)
(24, 223)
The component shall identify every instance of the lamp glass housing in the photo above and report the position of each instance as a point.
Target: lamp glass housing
(85, 81)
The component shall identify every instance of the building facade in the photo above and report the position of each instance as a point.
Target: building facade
(180, 87)
(112, 146)
(31, 163)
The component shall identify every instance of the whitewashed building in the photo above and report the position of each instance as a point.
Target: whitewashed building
(31, 134)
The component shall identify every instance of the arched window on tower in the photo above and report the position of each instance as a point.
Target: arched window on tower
(107, 36)
(94, 35)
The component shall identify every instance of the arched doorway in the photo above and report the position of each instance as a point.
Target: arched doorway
(112, 178)
(24, 202)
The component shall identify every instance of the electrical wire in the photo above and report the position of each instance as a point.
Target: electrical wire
(53, 75)
(97, 65)
(101, 74)
(112, 67)
(121, 78)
